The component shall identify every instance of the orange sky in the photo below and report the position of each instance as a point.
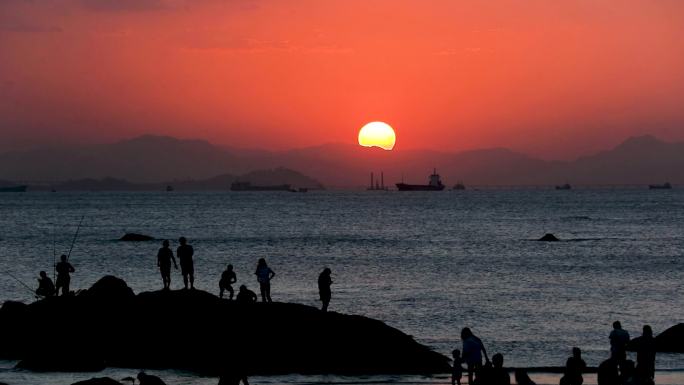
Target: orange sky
(551, 78)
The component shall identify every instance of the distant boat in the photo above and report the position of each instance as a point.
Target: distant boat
(459, 186)
(247, 186)
(169, 188)
(664, 186)
(564, 187)
(13, 189)
(435, 184)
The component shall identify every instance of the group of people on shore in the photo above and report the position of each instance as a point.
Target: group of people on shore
(616, 370)
(263, 272)
(63, 269)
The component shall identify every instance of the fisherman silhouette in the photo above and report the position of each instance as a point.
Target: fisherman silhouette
(574, 367)
(646, 355)
(618, 342)
(63, 269)
(185, 253)
(607, 373)
(264, 276)
(472, 353)
(228, 278)
(245, 295)
(45, 286)
(499, 375)
(456, 369)
(164, 258)
(148, 379)
(324, 282)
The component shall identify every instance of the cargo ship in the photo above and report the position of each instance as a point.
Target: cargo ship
(435, 184)
(247, 186)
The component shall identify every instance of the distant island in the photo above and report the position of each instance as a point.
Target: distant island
(152, 162)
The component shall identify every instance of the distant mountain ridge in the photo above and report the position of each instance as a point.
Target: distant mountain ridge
(158, 159)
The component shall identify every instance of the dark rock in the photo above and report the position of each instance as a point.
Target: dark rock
(549, 238)
(195, 330)
(98, 381)
(133, 237)
(669, 341)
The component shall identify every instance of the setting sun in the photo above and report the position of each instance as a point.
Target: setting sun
(377, 134)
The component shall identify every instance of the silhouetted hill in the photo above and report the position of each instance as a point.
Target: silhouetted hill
(194, 164)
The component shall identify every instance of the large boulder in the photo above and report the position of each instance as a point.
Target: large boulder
(195, 330)
(669, 341)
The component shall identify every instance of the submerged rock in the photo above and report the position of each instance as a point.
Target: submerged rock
(195, 330)
(133, 237)
(549, 238)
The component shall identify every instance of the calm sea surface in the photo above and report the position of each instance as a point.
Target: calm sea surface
(426, 263)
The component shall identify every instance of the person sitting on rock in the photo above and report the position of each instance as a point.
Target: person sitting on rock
(499, 375)
(228, 278)
(45, 286)
(456, 369)
(185, 253)
(164, 258)
(63, 268)
(148, 379)
(245, 295)
(574, 367)
(324, 282)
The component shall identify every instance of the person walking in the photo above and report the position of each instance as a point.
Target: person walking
(264, 276)
(324, 282)
(185, 253)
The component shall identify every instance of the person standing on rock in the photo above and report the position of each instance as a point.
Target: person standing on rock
(185, 253)
(646, 355)
(472, 353)
(324, 282)
(164, 258)
(45, 286)
(264, 276)
(63, 269)
(228, 278)
(619, 338)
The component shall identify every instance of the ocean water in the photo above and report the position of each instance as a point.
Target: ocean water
(427, 263)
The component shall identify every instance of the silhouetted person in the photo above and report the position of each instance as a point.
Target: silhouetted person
(63, 268)
(608, 373)
(45, 286)
(264, 276)
(646, 355)
(522, 378)
(574, 367)
(245, 295)
(456, 369)
(148, 379)
(472, 353)
(324, 282)
(164, 258)
(618, 342)
(228, 278)
(499, 375)
(185, 253)
(484, 374)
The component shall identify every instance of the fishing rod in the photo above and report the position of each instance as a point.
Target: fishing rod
(22, 283)
(73, 241)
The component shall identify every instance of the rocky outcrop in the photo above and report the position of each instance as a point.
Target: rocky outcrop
(195, 330)
(669, 341)
(134, 237)
(549, 238)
